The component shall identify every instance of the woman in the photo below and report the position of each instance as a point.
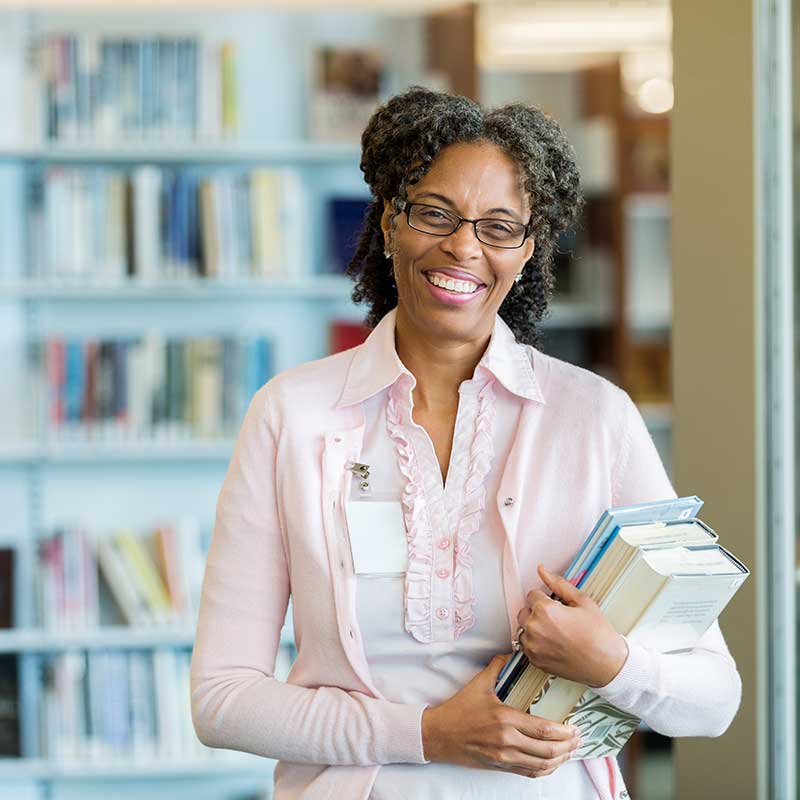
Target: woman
(405, 493)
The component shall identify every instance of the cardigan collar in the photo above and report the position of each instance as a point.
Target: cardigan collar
(376, 365)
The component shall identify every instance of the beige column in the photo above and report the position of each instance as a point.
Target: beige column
(717, 440)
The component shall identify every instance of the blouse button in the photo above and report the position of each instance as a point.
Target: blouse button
(350, 633)
(442, 573)
(442, 613)
(444, 544)
(509, 501)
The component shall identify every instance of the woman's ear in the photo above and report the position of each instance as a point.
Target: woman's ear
(528, 248)
(388, 208)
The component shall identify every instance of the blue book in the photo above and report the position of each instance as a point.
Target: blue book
(605, 531)
(74, 380)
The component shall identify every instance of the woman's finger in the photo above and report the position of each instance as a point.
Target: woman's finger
(544, 748)
(532, 767)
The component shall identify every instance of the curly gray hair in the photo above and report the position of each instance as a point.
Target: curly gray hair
(398, 146)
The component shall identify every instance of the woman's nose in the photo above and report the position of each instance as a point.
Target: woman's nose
(463, 243)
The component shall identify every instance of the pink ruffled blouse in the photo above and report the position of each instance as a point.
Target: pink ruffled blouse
(427, 633)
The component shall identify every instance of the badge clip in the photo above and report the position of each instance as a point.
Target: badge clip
(362, 472)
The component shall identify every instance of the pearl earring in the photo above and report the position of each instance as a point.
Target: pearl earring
(518, 277)
(387, 254)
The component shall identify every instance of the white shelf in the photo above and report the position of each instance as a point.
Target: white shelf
(649, 206)
(38, 640)
(317, 287)
(131, 768)
(577, 315)
(337, 287)
(657, 416)
(123, 451)
(157, 152)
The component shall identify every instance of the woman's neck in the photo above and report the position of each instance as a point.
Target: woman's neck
(439, 365)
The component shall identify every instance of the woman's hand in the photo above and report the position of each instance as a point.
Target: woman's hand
(572, 639)
(475, 729)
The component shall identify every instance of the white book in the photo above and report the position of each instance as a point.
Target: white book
(666, 599)
(146, 183)
(143, 721)
(132, 605)
(166, 694)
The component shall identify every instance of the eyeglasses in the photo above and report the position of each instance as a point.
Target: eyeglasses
(441, 222)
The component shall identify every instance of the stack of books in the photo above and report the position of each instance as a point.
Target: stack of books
(101, 87)
(153, 578)
(105, 225)
(149, 389)
(662, 579)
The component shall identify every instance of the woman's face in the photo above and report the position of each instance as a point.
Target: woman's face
(474, 180)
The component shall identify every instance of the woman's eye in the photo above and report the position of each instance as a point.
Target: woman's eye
(432, 213)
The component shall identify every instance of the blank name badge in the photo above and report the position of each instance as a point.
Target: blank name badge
(377, 536)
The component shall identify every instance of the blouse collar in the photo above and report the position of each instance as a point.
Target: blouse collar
(376, 365)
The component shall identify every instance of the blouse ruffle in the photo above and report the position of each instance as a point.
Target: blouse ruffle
(419, 516)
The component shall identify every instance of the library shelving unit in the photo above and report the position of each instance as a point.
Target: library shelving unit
(47, 482)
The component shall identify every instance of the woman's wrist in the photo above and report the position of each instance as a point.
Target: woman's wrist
(615, 656)
(430, 734)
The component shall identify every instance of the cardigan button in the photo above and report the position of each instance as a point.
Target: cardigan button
(350, 633)
(443, 573)
(444, 544)
(509, 501)
(442, 613)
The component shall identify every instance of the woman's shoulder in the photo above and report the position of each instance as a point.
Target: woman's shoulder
(310, 388)
(565, 384)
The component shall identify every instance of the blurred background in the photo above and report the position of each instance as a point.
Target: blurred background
(179, 197)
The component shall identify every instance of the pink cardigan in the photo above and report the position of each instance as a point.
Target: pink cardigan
(581, 447)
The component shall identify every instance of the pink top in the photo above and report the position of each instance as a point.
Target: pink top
(578, 446)
(425, 648)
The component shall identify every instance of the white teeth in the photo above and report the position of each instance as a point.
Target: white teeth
(462, 287)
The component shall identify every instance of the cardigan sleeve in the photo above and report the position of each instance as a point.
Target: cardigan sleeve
(236, 701)
(691, 693)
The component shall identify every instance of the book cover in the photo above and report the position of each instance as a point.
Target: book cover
(345, 89)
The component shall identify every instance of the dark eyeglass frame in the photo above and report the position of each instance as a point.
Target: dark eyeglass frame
(528, 229)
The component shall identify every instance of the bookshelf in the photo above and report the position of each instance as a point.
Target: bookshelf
(45, 483)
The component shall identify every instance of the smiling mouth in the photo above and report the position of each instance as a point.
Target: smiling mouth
(455, 285)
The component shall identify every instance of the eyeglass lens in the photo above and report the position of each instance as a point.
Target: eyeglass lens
(441, 222)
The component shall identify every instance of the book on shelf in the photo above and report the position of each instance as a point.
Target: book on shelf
(7, 560)
(101, 705)
(345, 223)
(149, 388)
(346, 85)
(153, 579)
(108, 88)
(344, 334)
(10, 742)
(153, 224)
(116, 705)
(661, 578)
